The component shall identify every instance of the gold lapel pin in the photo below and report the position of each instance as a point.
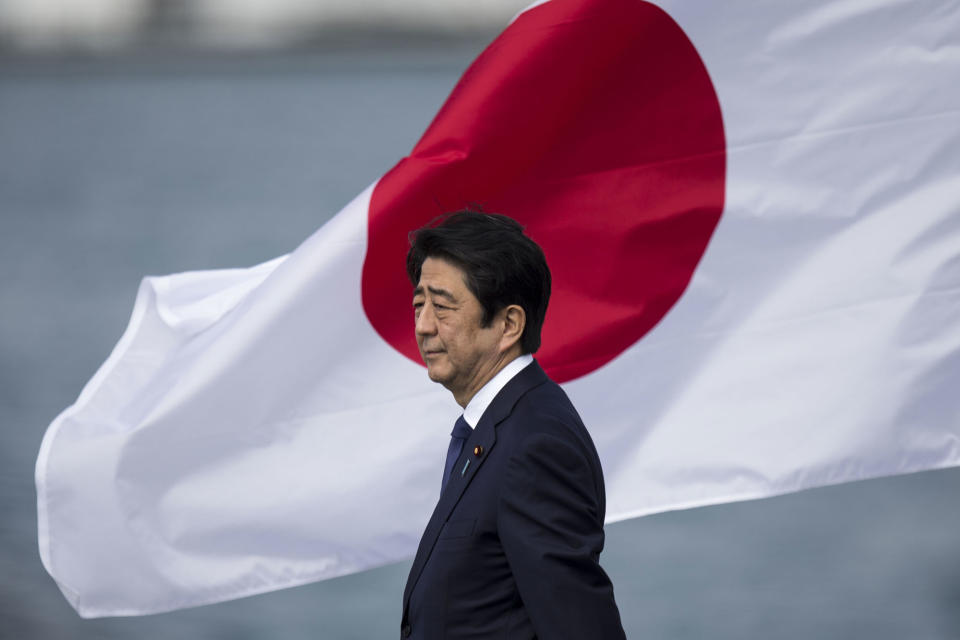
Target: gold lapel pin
(478, 451)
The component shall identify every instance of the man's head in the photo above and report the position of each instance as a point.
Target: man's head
(481, 294)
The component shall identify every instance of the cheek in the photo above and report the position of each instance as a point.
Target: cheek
(452, 339)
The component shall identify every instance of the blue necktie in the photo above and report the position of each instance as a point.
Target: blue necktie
(461, 431)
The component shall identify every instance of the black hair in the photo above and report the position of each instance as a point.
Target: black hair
(502, 265)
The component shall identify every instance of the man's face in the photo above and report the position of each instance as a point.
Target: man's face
(459, 353)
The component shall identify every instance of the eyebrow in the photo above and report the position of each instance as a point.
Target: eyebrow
(435, 291)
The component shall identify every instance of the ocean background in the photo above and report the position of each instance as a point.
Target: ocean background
(116, 167)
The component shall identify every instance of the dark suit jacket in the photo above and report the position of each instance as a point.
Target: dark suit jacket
(512, 548)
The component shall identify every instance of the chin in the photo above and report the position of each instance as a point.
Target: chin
(436, 375)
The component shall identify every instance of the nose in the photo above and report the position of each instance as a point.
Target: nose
(426, 322)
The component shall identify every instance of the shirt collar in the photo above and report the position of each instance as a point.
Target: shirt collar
(482, 399)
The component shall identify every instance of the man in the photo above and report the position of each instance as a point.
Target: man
(512, 548)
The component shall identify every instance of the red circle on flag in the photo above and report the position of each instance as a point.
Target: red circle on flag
(594, 124)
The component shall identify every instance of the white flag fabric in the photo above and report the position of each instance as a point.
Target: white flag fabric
(752, 213)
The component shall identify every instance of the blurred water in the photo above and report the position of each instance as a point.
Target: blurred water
(110, 170)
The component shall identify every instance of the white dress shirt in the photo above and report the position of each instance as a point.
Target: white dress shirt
(482, 399)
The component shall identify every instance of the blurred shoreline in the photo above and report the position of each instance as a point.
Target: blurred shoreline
(344, 51)
(152, 28)
(364, 51)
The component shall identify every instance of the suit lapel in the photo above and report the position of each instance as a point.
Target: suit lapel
(468, 464)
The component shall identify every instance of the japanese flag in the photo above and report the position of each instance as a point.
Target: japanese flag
(752, 215)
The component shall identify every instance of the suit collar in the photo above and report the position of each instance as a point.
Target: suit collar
(485, 396)
(468, 464)
(502, 405)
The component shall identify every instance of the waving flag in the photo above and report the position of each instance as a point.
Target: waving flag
(752, 214)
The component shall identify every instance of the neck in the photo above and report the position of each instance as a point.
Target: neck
(465, 395)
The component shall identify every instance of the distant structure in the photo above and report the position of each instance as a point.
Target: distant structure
(28, 26)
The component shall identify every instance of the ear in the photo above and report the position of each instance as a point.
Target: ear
(514, 321)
